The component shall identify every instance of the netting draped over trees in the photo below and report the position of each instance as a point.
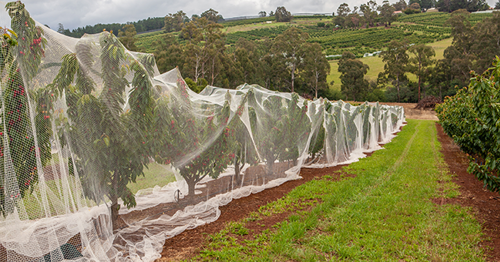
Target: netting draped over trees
(102, 158)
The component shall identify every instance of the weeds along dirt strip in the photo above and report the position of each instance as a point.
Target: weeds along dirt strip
(382, 210)
(485, 204)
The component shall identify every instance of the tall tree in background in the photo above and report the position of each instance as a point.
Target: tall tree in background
(246, 60)
(453, 5)
(396, 61)
(426, 4)
(342, 13)
(315, 67)
(174, 22)
(400, 5)
(212, 15)
(460, 54)
(369, 11)
(168, 53)
(353, 20)
(387, 13)
(497, 5)
(271, 70)
(353, 73)
(262, 14)
(60, 29)
(127, 37)
(420, 62)
(289, 46)
(282, 15)
(216, 50)
(486, 44)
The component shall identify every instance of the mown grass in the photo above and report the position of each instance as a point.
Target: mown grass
(384, 213)
(154, 175)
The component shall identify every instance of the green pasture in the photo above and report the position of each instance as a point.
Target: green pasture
(155, 174)
(377, 65)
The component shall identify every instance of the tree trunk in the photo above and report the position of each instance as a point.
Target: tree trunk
(419, 81)
(237, 170)
(114, 202)
(114, 212)
(191, 184)
(196, 69)
(397, 87)
(293, 75)
(213, 72)
(316, 89)
(270, 165)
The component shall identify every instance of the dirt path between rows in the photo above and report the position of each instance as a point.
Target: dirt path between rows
(188, 243)
(485, 204)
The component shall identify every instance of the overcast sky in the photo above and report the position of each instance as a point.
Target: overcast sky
(79, 13)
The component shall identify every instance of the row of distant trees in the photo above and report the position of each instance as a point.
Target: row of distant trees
(286, 63)
(140, 26)
(473, 48)
(171, 22)
(370, 14)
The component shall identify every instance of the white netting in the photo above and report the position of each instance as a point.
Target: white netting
(102, 158)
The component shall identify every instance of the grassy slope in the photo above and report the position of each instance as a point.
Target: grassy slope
(384, 213)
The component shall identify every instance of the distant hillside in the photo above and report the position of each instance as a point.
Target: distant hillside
(416, 28)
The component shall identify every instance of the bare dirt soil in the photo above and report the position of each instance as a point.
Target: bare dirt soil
(188, 243)
(485, 204)
(412, 113)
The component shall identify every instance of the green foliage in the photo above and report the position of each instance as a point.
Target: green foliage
(315, 68)
(246, 21)
(453, 5)
(420, 62)
(471, 119)
(396, 59)
(196, 86)
(353, 76)
(109, 143)
(22, 49)
(127, 37)
(149, 24)
(256, 34)
(174, 22)
(282, 15)
(472, 48)
(279, 128)
(212, 15)
(198, 145)
(288, 50)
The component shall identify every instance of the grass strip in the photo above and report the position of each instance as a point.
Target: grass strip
(383, 211)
